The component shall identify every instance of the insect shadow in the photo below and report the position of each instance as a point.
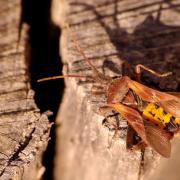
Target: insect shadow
(152, 42)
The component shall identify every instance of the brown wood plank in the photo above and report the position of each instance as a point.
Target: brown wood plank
(110, 32)
(24, 132)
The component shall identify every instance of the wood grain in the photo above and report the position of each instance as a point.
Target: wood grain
(24, 132)
(110, 32)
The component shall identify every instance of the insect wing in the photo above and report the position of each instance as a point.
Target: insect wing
(133, 118)
(149, 94)
(171, 106)
(169, 102)
(158, 139)
(177, 94)
(117, 90)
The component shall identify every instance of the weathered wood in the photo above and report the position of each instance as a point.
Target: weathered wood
(24, 132)
(110, 32)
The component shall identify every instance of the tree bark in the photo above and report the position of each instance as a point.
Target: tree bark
(110, 32)
(24, 132)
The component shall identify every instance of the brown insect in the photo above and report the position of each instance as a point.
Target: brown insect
(153, 116)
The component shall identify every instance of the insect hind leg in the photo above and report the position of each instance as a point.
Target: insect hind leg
(112, 122)
(139, 67)
(141, 165)
(116, 128)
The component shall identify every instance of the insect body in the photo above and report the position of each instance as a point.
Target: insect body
(156, 114)
(138, 103)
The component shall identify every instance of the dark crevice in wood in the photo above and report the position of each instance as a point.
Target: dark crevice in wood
(45, 61)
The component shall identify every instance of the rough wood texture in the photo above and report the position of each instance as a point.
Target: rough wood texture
(145, 32)
(24, 132)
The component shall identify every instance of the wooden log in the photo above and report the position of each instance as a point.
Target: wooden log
(24, 131)
(110, 32)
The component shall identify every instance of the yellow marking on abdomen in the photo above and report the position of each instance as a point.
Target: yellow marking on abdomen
(156, 114)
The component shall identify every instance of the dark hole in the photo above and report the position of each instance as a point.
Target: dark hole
(44, 62)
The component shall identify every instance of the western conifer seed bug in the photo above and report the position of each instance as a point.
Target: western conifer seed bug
(152, 116)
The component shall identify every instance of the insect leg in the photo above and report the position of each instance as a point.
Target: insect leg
(116, 129)
(140, 66)
(133, 141)
(141, 166)
(98, 90)
(109, 115)
(112, 122)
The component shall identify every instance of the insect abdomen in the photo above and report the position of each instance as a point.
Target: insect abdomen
(157, 115)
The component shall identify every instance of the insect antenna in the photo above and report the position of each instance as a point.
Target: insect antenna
(98, 75)
(79, 49)
(62, 77)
